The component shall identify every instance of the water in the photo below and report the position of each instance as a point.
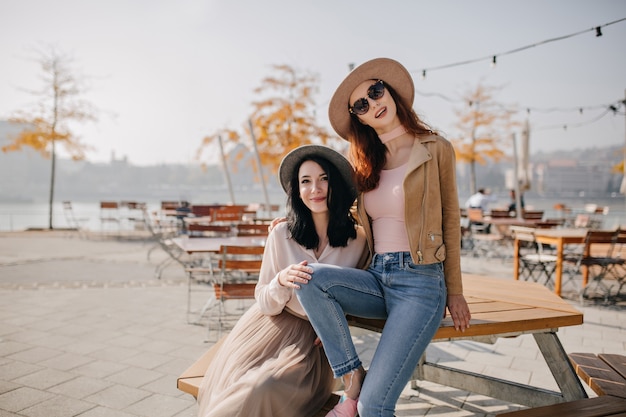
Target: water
(23, 216)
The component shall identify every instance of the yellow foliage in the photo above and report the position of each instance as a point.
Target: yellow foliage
(57, 105)
(486, 127)
(283, 118)
(47, 123)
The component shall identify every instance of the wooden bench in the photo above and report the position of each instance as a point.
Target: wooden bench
(189, 381)
(605, 374)
(589, 407)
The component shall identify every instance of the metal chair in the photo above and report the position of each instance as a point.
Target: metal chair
(72, 221)
(596, 261)
(236, 278)
(233, 275)
(109, 214)
(534, 263)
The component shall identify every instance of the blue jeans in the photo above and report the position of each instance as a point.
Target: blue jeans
(410, 297)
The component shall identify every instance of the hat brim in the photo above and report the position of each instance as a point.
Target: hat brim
(390, 71)
(294, 158)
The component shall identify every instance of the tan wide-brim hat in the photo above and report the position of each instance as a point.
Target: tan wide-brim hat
(293, 159)
(388, 70)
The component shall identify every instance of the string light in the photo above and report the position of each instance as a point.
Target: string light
(493, 62)
(584, 123)
(492, 57)
(613, 107)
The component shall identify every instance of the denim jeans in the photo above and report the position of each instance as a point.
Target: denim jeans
(410, 297)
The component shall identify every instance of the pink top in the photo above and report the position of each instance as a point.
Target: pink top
(280, 252)
(385, 206)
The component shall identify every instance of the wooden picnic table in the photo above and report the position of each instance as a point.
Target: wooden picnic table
(500, 308)
(559, 238)
(503, 308)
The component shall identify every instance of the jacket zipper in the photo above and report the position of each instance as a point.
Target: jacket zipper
(420, 256)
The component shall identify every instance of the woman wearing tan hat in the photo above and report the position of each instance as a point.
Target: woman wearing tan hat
(270, 364)
(409, 208)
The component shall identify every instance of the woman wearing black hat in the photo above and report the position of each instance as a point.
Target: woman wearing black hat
(408, 205)
(270, 364)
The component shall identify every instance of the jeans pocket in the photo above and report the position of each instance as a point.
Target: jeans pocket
(432, 270)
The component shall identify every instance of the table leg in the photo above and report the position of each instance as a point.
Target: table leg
(558, 272)
(516, 259)
(560, 366)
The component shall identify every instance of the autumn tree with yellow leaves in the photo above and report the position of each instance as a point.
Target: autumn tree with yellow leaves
(486, 127)
(47, 122)
(283, 119)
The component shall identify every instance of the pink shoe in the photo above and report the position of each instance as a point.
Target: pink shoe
(346, 407)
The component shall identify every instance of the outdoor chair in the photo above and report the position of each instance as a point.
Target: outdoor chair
(485, 242)
(72, 221)
(535, 264)
(617, 270)
(227, 215)
(232, 274)
(252, 229)
(532, 214)
(596, 256)
(238, 274)
(208, 230)
(109, 214)
(131, 213)
(162, 234)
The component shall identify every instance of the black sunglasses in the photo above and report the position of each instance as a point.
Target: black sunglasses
(361, 106)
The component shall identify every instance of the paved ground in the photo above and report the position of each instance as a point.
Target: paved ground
(86, 330)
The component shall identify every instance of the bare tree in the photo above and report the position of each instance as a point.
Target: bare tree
(485, 126)
(47, 121)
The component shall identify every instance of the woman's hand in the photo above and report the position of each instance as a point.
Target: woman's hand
(459, 311)
(274, 222)
(294, 275)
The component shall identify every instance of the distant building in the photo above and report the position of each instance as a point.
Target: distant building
(574, 178)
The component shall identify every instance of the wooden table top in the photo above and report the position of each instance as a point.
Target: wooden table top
(212, 244)
(501, 307)
(570, 233)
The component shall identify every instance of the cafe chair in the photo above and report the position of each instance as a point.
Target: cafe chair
(535, 263)
(252, 229)
(208, 230)
(109, 215)
(73, 222)
(162, 235)
(617, 270)
(131, 214)
(596, 259)
(227, 215)
(238, 269)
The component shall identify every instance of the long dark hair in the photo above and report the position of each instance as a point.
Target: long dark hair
(341, 224)
(367, 151)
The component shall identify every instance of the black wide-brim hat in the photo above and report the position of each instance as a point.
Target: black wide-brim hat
(390, 71)
(294, 158)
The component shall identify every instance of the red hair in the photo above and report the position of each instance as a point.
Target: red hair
(368, 153)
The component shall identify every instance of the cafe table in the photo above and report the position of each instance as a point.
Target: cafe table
(559, 238)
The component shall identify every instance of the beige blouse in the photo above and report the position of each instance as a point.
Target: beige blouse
(280, 252)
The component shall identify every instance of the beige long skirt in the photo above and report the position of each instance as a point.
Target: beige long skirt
(268, 366)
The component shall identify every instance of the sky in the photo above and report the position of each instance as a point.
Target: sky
(164, 74)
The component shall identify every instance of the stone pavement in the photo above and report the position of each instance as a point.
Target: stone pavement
(86, 330)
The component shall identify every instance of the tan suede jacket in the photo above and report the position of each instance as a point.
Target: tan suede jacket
(432, 213)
